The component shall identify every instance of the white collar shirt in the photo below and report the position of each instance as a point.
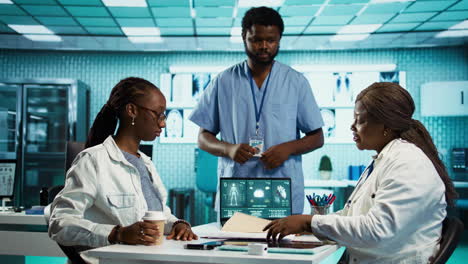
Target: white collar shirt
(395, 215)
(102, 189)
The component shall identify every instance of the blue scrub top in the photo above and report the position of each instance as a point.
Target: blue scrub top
(227, 107)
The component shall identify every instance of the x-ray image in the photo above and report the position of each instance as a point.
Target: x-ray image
(336, 92)
(199, 82)
(342, 94)
(181, 88)
(393, 77)
(174, 123)
(329, 126)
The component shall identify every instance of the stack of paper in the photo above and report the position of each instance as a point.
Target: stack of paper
(240, 222)
(243, 226)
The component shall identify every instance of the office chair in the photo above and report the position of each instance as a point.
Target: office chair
(73, 148)
(206, 167)
(452, 231)
(72, 252)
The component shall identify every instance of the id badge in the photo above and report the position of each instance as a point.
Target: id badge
(257, 143)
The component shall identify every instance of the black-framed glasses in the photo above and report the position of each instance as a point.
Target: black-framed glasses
(160, 116)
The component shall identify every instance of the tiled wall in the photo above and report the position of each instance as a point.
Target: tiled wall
(175, 161)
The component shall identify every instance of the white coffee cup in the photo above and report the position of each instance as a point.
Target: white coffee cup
(158, 218)
(257, 249)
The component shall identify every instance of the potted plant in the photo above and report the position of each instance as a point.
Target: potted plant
(325, 167)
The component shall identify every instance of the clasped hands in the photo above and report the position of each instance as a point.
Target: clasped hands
(271, 158)
(146, 233)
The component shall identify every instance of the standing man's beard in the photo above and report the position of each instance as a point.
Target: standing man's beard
(255, 58)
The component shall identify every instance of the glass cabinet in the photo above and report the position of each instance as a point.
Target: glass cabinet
(37, 118)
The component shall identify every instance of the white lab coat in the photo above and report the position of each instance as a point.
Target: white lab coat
(102, 189)
(395, 216)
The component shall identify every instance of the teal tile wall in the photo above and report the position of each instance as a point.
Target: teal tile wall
(175, 161)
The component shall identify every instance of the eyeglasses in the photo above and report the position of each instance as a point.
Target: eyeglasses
(160, 117)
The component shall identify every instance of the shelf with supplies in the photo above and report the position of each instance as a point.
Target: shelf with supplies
(335, 88)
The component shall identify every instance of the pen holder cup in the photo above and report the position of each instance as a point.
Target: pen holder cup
(321, 210)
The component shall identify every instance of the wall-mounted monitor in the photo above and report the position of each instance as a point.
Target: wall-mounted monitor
(7, 178)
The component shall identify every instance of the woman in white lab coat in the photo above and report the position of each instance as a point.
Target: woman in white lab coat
(111, 184)
(395, 213)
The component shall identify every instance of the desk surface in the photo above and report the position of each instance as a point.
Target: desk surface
(174, 252)
(21, 219)
(26, 235)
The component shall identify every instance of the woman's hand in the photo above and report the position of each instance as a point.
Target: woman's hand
(139, 233)
(292, 224)
(183, 232)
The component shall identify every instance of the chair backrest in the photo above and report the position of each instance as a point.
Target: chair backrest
(206, 169)
(73, 148)
(452, 231)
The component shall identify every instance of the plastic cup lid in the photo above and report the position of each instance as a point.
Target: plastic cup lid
(154, 215)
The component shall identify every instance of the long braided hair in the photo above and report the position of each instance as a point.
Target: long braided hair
(126, 91)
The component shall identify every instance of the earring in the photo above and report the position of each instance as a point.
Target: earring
(385, 133)
(133, 121)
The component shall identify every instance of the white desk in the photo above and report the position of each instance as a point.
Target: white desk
(173, 252)
(26, 235)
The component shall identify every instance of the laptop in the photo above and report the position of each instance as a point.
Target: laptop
(268, 198)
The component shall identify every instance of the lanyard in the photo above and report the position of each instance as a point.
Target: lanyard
(369, 171)
(258, 111)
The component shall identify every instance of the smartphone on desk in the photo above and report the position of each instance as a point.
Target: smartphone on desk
(204, 246)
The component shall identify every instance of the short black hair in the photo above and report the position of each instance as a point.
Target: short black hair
(264, 16)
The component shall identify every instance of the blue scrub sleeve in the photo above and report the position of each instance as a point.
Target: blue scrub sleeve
(206, 113)
(309, 117)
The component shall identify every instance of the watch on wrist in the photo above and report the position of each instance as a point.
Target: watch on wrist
(115, 238)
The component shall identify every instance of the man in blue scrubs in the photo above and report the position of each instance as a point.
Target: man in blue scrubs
(259, 106)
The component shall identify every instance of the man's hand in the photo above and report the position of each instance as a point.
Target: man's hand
(183, 232)
(275, 156)
(240, 153)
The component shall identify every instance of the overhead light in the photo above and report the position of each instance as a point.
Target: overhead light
(126, 3)
(452, 34)
(389, 1)
(353, 29)
(154, 39)
(141, 31)
(344, 67)
(255, 3)
(48, 38)
(356, 37)
(236, 35)
(461, 25)
(236, 31)
(193, 13)
(29, 29)
(234, 12)
(6, 2)
(322, 7)
(237, 39)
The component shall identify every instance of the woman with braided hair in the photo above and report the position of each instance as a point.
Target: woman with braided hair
(395, 213)
(111, 184)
